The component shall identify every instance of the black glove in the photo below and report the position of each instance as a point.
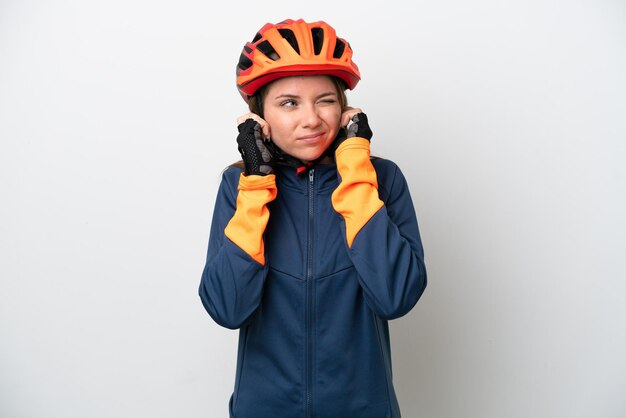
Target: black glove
(257, 159)
(359, 127)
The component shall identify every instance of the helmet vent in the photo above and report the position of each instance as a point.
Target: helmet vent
(256, 37)
(318, 39)
(340, 46)
(291, 38)
(244, 63)
(268, 50)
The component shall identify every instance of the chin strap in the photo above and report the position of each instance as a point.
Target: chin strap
(281, 158)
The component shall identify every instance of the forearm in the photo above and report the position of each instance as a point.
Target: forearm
(356, 198)
(247, 225)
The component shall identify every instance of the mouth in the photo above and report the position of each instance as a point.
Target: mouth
(313, 138)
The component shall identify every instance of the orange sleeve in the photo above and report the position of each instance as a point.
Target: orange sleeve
(356, 197)
(247, 225)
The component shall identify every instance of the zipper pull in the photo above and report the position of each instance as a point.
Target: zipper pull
(311, 174)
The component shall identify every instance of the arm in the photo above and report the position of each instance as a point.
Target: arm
(382, 237)
(232, 280)
(235, 271)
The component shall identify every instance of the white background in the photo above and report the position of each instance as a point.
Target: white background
(507, 117)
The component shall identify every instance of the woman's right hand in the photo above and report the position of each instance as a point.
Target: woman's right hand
(257, 158)
(265, 127)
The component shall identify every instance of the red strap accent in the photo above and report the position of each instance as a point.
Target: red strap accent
(304, 168)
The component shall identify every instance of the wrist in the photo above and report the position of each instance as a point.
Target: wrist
(352, 145)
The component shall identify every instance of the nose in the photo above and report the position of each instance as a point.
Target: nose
(311, 117)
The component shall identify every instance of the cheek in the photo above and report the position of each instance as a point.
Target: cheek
(280, 127)
(333, 119)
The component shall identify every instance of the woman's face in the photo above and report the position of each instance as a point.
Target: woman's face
(303, 113)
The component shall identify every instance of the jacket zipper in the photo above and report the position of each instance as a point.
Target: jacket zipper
(309, 300)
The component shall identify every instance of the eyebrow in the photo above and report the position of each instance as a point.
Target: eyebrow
(295, 96)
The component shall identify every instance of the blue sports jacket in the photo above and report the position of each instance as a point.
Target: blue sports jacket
(312, 304)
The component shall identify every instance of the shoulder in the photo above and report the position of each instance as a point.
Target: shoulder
(231, 174)
(230, 180)
(384, 166)
(386, 170)
(389, 176)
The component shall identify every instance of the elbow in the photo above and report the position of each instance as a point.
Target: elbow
(405, 300)
(231, 294)
(228, 322)
(220, 313)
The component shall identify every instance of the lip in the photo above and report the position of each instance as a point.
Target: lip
(316, 137)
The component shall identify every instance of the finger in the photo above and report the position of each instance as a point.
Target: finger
(345, 116)
(241, 119)
(348, 114)
(265, 127)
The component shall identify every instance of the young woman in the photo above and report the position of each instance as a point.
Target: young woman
(314, 245)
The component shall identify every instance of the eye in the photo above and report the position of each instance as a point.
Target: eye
(288, 103)
(328, 100)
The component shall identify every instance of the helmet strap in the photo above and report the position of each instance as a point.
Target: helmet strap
(286, 160)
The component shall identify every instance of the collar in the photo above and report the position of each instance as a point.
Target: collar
(301, 169)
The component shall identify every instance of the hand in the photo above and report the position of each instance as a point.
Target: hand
(265, 127)
(356, 124)
(257, 159)
(353, 123)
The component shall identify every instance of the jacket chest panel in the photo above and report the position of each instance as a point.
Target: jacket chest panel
(299, 225)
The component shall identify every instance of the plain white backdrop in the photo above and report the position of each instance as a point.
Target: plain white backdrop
(507, 117)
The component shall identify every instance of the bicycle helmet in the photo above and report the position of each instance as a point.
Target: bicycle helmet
(294, 47)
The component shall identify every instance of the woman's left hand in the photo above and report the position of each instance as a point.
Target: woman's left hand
(347, 115)
(359, 126)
